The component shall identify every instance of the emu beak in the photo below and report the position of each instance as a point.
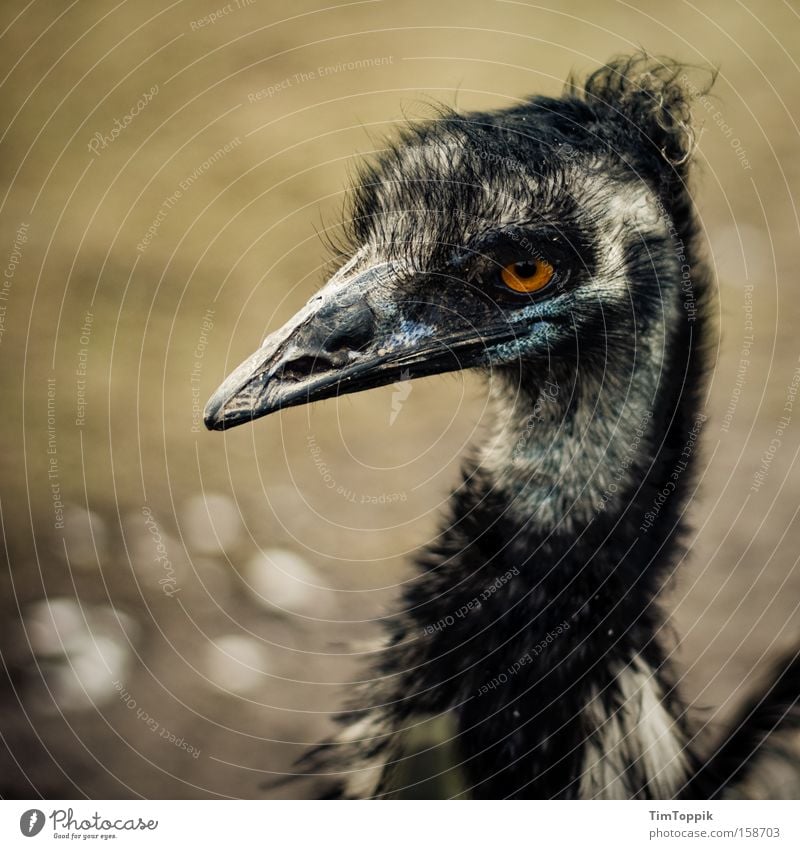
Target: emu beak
(353, 335)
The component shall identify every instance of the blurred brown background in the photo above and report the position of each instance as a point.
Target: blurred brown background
(184, 625)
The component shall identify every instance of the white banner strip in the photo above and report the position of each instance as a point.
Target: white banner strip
(401, 825)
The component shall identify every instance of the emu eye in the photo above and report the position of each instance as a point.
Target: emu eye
(526, 277)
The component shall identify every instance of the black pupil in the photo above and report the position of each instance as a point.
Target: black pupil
(525, 269)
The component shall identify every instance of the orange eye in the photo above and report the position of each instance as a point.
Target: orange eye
(527, 277)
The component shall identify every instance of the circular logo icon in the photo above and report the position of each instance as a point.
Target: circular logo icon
(31, 822)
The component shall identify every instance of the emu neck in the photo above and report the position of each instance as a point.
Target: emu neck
(564, 450)
(537, 608)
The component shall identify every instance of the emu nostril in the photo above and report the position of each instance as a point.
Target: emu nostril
(326, 341)
(353, 329)
(304, 367)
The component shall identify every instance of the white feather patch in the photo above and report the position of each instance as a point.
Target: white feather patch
(640, 740)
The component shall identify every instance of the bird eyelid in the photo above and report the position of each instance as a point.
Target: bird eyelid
(520, 243)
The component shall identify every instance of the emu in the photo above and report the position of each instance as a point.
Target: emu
(554, 246)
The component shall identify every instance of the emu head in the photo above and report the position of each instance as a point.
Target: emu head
(554, 234)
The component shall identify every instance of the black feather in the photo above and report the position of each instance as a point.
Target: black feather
(584, 563)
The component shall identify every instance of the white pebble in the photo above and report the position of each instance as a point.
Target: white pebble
(235, 663)
(105, 620)
(87, 679)
(85, 537)
(282, 580)
(211, 523)
(81, 651)
(54, 626)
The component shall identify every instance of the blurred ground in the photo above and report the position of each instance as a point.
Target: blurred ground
(166, 171)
